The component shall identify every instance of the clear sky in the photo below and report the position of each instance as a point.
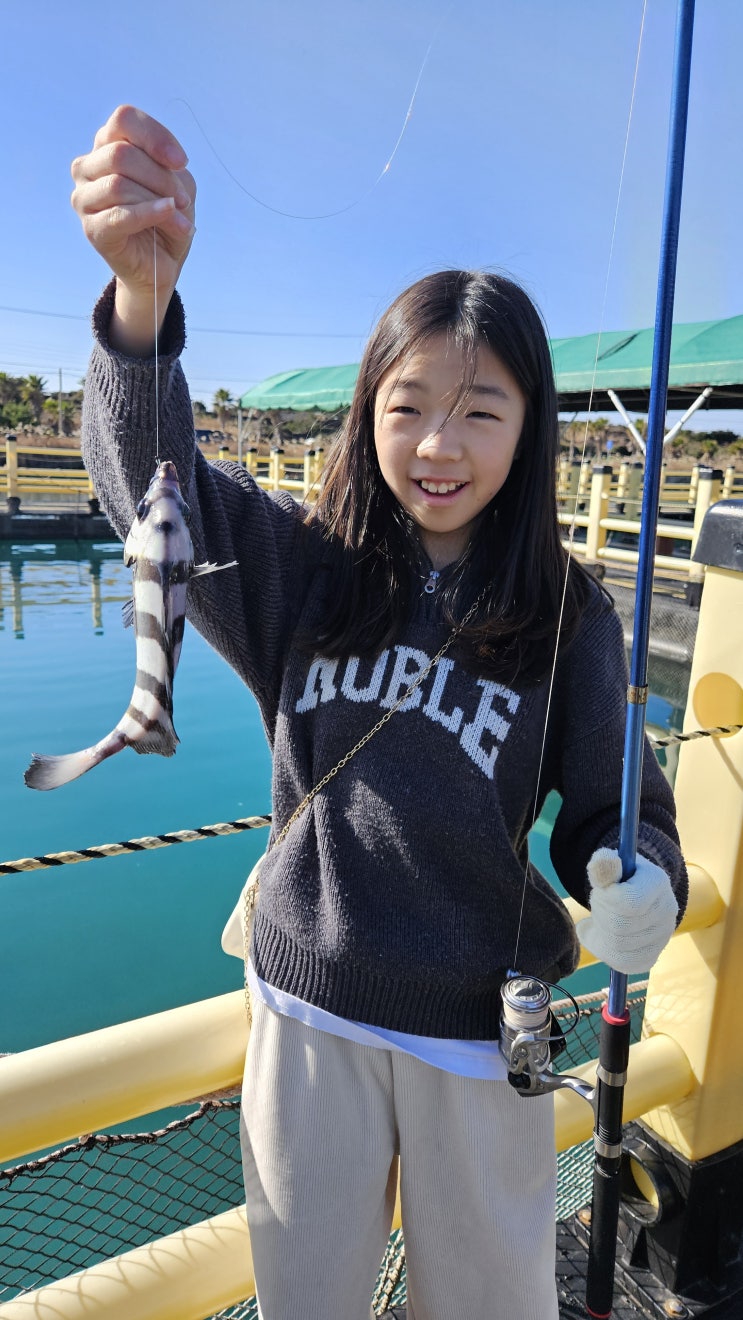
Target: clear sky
(511, 158)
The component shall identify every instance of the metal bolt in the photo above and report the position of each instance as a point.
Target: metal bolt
(674, 1308)
(584, 1218)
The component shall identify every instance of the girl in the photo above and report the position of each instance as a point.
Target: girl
(426, 586)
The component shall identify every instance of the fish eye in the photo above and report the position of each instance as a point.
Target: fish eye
(143, 509)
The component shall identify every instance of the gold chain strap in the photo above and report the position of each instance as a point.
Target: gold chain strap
(251, 890)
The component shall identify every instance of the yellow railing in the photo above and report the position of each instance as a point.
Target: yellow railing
(300, 476)
(599, 502)
(19, 478)
(52, 1093)
(596, 500)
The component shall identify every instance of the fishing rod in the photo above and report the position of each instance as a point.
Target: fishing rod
(527, 1041)
(615, 1026)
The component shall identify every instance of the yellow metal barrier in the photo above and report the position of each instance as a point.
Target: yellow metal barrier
(199, 1270)
(11, 468)
(185, 1276)
(55, 1092)
(19, 478)
(688, 492)
(58, 1092)
(584, 496)
(694, 990)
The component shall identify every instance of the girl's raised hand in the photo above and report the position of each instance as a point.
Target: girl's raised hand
(133, 181)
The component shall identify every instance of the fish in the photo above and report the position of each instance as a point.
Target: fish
(160, 553)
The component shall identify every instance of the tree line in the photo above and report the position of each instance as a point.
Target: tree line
(603, 438)
(27, 403)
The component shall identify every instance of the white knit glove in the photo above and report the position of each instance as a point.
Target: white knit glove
(631, 923)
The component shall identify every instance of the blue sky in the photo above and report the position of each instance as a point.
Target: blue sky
(511, 158)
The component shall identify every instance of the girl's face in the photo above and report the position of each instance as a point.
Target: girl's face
(442, 472)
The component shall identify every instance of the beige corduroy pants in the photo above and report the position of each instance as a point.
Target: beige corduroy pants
(324, 1123)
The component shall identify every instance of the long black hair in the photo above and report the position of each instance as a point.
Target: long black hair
(515, 551)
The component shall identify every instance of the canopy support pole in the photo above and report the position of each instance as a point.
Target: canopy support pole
(698, 402)
(620, 408)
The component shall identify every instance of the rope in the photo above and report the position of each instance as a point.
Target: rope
(695, 733)
(258, 822)
(108, 1140)
(133, 845)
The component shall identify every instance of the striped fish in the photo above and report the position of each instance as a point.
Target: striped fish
(159, 551)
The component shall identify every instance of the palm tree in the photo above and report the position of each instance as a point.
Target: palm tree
(223, 403)
(597, 430)
(8, 388)
(33, 392)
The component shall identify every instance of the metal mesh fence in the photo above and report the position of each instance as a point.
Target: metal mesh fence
(107, 1193)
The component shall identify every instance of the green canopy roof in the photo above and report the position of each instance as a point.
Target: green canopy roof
(324, 389)
(702, 353)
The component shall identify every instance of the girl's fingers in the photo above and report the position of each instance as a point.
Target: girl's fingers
(113, 227)
(129, 124)
(188, 184)
(109, 192)
(116, 190)
(122, 164)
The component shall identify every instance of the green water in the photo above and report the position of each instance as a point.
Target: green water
(100, 942)
(104, 941)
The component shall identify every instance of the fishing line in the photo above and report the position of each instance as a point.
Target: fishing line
(572, 527)
(157, 373)
(326, 215)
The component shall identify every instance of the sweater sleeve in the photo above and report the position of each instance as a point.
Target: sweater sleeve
(593, 691)
(246, 613)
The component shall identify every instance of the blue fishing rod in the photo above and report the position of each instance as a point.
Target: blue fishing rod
(526, 1040)
(615, 1026)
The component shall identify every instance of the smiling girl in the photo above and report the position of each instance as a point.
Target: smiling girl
(426, 597)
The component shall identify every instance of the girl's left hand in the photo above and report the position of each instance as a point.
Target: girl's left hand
(631, 922)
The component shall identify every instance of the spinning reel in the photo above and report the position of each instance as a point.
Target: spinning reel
(530, 1038)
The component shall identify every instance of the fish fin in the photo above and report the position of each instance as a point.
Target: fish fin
(199, 570)
(52, 771)
(127, 613)
(159, 740)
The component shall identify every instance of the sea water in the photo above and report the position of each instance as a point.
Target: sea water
(104, 941)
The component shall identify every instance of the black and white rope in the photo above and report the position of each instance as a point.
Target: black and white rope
(249, 822)
(717, 732)
(134, 845)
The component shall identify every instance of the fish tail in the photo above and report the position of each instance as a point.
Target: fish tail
(47, 772)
